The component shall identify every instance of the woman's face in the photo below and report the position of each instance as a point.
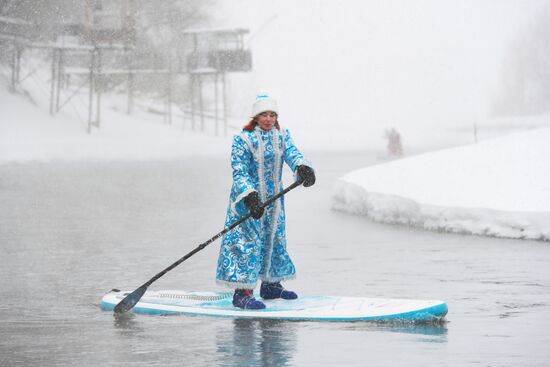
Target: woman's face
(267, 120)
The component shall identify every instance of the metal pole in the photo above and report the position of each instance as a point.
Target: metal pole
(201, 107)
(91, 97)
(130, 85)
(170, 94)
(98, 88)
(165, 101)
(18, 69)
(13, 62)
(130, 91)
(216, 102)
(59, 72)
(224, 101)
(165, 104)
(192, 85)
(52, 89)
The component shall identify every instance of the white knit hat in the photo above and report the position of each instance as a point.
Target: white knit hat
(264, 103)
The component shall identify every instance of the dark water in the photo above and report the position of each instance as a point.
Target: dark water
(70, 232)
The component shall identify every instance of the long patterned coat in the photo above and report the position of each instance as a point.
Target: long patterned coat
(256, 250)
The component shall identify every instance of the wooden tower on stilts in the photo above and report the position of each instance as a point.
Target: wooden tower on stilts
(215, 52)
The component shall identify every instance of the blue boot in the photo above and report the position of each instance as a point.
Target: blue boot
(243, 299)
(275, 290)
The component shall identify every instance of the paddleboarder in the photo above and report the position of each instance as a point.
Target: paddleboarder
(256, 250)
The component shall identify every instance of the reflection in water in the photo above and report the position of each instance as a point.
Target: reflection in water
(257, 342)
(126, 323)
(436, 329)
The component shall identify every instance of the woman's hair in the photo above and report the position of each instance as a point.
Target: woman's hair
(252, 124)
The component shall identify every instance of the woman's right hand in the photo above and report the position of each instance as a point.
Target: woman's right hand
(254, 204)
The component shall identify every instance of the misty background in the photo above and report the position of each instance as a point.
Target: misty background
(359, 67)
(345, 73)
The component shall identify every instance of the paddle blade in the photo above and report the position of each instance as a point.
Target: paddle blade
(130, 300)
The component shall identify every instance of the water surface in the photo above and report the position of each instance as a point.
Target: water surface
(69, 232)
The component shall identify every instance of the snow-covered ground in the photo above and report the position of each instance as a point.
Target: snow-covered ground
(498, 187)
(28, 133)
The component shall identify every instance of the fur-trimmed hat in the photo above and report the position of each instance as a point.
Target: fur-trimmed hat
(264, 103)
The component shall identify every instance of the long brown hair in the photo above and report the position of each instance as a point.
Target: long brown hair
(252, 124)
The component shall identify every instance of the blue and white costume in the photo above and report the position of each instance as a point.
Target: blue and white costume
(256, 250)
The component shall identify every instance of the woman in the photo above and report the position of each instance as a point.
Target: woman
(256, 250)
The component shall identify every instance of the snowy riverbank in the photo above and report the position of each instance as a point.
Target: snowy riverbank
(499, 187)
(29, 134)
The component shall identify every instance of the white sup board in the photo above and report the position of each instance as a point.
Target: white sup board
(321, 308)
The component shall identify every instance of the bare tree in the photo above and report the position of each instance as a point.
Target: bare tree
(525, 85)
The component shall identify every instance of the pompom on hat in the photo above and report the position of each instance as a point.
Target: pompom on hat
(264, 103)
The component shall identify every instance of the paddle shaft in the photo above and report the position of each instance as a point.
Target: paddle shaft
(129, 301)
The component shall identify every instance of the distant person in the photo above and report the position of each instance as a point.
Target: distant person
(256, 250)
(395, 147)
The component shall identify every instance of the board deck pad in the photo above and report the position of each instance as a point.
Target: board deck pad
(321, 308)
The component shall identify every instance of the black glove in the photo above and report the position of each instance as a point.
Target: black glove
(306, 175)
(254, 204)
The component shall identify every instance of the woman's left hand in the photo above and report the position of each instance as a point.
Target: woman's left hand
(306, 175)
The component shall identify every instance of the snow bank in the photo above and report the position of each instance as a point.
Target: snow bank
(29, 133)
(499, 187)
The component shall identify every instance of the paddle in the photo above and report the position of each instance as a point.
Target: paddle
(130, 300)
